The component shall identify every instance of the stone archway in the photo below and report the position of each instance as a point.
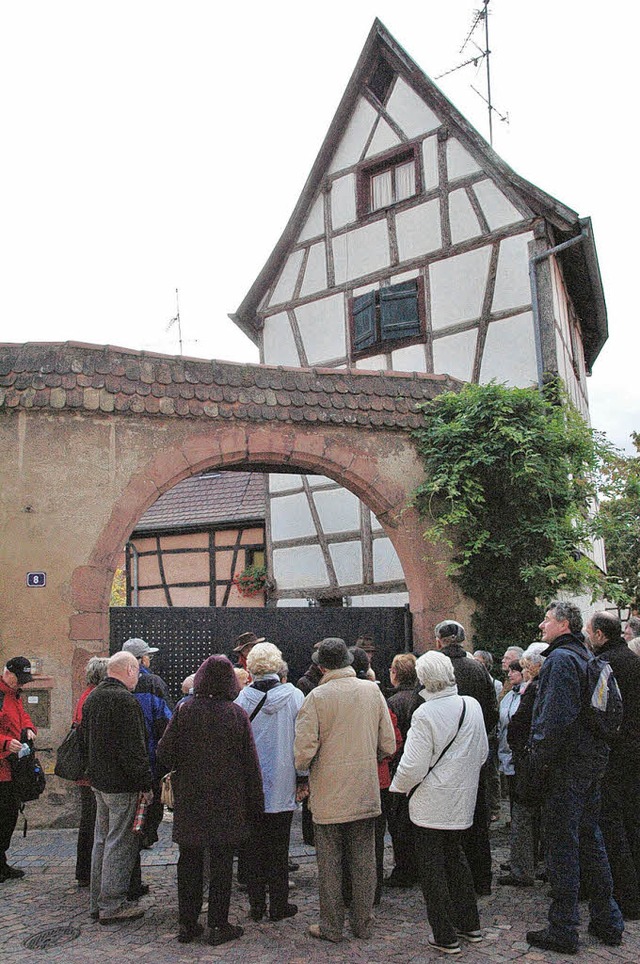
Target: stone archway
(92, 436)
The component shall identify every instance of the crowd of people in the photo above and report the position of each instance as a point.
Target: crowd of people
(427, 759)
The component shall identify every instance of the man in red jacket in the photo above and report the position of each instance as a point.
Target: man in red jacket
(14, 721)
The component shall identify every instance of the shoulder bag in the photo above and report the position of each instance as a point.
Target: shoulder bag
(449, 744)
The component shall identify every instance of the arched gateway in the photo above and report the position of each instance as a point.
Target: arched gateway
(92, 436)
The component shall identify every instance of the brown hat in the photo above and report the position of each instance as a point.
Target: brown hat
(247, 639)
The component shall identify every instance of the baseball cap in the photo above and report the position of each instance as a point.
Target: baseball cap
(138, 648)
(20, 666)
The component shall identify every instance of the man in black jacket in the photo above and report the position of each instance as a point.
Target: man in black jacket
(472, 679)
(112, 735)
(620, 813)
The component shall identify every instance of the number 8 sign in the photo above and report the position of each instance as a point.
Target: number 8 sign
(35, 580)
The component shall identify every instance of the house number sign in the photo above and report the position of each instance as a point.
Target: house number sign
(35, 580)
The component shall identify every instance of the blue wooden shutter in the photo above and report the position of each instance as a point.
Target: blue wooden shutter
(364, 321)
(399, 316)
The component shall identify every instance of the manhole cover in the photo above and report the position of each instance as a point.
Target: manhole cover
(52, 937)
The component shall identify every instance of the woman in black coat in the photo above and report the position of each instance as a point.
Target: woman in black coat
(218, 792)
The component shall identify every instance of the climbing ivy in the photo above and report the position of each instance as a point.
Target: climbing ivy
(510, 478)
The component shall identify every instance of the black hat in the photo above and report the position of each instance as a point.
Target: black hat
(247, 639)
(332, 653)
(20, 666)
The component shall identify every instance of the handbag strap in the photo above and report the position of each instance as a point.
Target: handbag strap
(258, 707)
(449, 744)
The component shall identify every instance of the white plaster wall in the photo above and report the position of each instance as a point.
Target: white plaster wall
(430, 162)
(361, 252)
(322, 328)
(513, 287)
(299, 568)
(283, 291)
(316, 480)
(462, 218)
(409, 359)
(381, 599)
(339, 510)
(454, 354)
(459, 161)
(418, 230)
(347, 562)
(291, 518)
(291, 603)
(386, 565)
(383, 139)
(315, 272)
(497, 209)
(343, 201)
(314, 225)
(377, 363)
(351, 147)
(458, 286)
(409, 111)
(279, 344)
(510, 353)
(278, 482)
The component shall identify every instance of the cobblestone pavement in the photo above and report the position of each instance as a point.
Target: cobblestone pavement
(47, 904)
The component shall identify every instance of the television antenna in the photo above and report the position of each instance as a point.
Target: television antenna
(480, 17)
(176, 319)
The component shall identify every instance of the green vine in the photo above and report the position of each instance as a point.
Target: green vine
(511, 475)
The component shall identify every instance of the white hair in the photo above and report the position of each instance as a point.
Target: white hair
(533, 649)
(435, 671)
(263, 659)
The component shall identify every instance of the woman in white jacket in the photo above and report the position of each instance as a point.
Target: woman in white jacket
(445, 749)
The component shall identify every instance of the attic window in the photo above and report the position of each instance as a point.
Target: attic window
(381, 80)
(388, 181)
(387, 318)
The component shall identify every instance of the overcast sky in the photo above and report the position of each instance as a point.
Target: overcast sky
(149, 146)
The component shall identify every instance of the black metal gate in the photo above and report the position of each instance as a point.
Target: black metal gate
(185, 637)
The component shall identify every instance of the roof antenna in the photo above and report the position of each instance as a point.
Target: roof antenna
(175, 319)
(478, 17)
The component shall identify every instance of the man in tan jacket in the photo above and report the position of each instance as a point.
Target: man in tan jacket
(343, 728)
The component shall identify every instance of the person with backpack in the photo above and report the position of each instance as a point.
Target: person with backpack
(15, 727)
(620, 814)
(569, 753)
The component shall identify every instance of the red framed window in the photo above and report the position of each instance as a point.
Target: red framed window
(391, 179)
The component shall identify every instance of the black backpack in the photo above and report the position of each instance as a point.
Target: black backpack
(27, 776)
(601, 697)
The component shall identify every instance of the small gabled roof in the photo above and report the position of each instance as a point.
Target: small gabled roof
(213, 499)
(581, 260)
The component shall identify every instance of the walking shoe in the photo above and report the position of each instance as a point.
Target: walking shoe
(314, 930)
(547, 942)
(289, 911)
(124, 914)
(257, 912)
(473, 937)
(224, 933)
(293, 866)
(506, 866)
(188, 933)
(608, 935)
(511, 881)
(11, 873)
(445, 948)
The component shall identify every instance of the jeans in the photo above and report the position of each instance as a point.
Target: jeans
(115, 848)
(8, 818)
(267, 861)
(574, 843)
(85, 833)
(620, 825)
(447, 884)
(190, 873)
(356, 840)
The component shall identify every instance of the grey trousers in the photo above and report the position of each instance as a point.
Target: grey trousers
(356, 840)
(522, 852)
(115, 848)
